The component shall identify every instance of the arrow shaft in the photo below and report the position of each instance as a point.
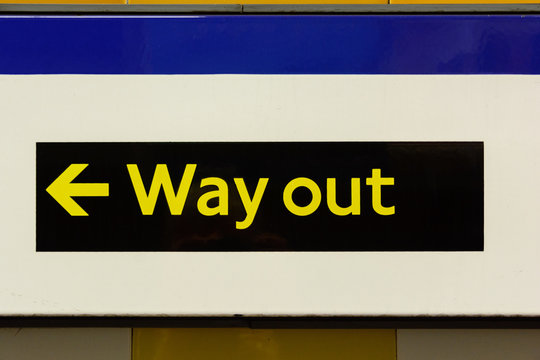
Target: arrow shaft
(88, 189)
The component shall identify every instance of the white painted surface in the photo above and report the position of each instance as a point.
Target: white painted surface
(468, 344)
(65, 344)
(502, 111)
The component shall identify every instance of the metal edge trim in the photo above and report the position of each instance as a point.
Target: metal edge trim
(280, 322)
(269, 9)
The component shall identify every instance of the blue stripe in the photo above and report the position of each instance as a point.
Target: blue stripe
(454, 44)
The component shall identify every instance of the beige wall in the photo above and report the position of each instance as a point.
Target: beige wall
(64, 344)
(499, 344)
(116, 344)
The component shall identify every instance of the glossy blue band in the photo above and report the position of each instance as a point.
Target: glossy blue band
(239, 44)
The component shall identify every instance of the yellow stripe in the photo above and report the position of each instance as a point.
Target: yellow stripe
(266, 344)
(464, 1)
(78, 2)
(258, 2)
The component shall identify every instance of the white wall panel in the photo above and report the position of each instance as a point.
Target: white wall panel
(502, 111)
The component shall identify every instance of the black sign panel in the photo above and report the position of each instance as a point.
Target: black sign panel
(273, 196)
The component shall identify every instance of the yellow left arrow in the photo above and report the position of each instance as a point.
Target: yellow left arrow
(62, 189)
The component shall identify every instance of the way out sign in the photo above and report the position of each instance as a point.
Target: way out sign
(351, 196)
